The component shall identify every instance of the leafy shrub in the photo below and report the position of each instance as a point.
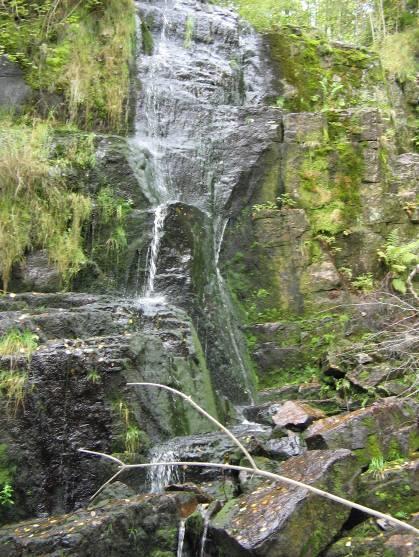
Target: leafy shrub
(6, 495)
(363, 282)
(399, 258)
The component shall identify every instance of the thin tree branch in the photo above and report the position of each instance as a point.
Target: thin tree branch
(271, 476)
(108, 456)
(409, 281)
(204, 413)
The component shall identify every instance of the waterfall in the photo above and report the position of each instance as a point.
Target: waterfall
(153, 252)
(192, 107)
(181, 538)
(161, 476)
(227, 303)
(206, 515)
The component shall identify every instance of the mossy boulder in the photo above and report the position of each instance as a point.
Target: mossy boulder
(393, 490)
(131, 526)
(387, 428)
(284, 521)
(368, 540)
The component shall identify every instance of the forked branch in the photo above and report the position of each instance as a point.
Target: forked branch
(254, 470)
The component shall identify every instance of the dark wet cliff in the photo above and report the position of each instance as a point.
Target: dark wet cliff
(228, 212)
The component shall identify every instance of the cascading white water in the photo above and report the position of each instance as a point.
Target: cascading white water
(203, 86)
(148, 136)
(161, 476)
(206, 515)
(181, 538)
(153, 251)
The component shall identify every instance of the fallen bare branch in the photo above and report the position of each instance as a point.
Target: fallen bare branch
(269, 475)
(204, 413)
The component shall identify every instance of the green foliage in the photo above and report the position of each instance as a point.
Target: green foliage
(378, 466)
(134, 439)
(36, 208)
(268, 206)
(147, 39)
(286, 200)
(78, 151)
(16, 342)
(111, 207)
(398, 54)
(110, 217)
(94, 376)
(399, 257)
(13, 386)
(363, 282)
(332, 93)
(6, 495)
(264, 14)
(189, 31)
(353, 21)
(81, 50)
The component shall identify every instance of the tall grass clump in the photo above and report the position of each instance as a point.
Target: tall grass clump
(16, 342)
(13, 388)
(36, 209)
(80, 50)
(399, 52)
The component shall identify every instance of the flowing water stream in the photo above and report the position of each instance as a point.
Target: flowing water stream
(181, 538)
(206, 515)
(202, 125)
(203, 88)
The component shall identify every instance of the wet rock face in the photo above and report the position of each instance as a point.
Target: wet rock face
(386, 428)
(13, 90)
(130, 526)
(276, 520)
(37, 274)
(76, 396)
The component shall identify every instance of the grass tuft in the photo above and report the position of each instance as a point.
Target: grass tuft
(13, 388)
(16, 342)
(36, 209)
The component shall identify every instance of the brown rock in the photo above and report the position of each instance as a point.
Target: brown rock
(279, 520)
(296, 415)
(386, 427)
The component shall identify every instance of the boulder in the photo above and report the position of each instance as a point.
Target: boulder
(370, 376)
(362, 358)
(322, 277)
(368, 540)
(269, 356)
(277, 520)
(333, 365)
(369, 123)
(285, 447)
(291, 414)
(134, 526)
(304, 127)
(305, 391)
(393, 490)
(115, 490)
(296, 415)
(387, 428)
